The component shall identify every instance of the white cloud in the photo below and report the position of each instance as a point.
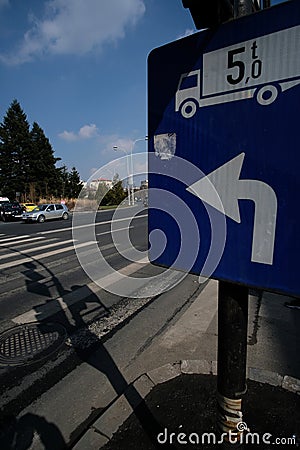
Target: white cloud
(85, 132)
(75, 27)
(88, 131)
(68, 136)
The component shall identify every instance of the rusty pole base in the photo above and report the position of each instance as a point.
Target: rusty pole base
(230, 421)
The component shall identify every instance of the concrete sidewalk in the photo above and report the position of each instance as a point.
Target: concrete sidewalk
(179, 395)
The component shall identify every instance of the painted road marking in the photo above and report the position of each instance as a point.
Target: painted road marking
(20, 241)
(44, 255)
(35, 249)
(15, 237)
(113, 231)
(63, 303)
(94, 224)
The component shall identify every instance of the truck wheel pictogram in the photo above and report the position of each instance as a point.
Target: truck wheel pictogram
(267, 95)
(188, 109)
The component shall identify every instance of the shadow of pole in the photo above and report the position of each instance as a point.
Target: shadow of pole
(49, 433)
(20, 433)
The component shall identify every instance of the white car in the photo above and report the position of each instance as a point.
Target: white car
(46, 212)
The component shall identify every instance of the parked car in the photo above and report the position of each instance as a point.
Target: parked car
(47, 212)
(10, 211)
(4, 200)
(28, 206)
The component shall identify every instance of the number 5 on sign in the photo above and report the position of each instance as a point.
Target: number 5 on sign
(256, 66)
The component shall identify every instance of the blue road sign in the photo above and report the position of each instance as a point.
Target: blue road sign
(224, 151)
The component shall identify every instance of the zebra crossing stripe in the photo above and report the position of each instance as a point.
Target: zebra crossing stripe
(43, 255)
(34, 249)
(22, 241)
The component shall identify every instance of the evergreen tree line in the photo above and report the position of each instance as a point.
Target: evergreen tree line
(28, 169)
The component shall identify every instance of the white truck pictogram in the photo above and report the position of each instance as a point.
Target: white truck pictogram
(261, 67)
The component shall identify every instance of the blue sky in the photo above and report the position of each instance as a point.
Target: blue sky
(78, 68)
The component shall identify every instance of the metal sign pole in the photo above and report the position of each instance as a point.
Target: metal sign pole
(232, 357)
(232, 338)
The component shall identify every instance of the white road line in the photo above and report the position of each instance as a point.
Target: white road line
(35, 249)
(43, 247)
(44, 255)
(93, 224)
(110, 279)
(20, 241)
(114, 231)
(15, 237)
(62, 303)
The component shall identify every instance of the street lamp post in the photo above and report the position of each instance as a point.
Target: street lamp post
(130, 170)
(131, 162)
(115, 147)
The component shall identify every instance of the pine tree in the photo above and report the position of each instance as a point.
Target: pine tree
(116, 194)
(28, 164)
(63, 179)
(101, 192)
(69, 184)
(41, 170)
(74, 184)
(15, 147)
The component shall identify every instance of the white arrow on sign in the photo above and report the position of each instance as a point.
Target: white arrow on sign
(222, 189)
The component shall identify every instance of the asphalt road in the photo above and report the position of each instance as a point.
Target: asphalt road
(42, 282)
(38, 263)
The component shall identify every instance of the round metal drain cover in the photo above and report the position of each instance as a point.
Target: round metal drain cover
(31, 342)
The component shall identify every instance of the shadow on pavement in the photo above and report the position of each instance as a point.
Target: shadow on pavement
(186, 404)
(19, 432)
(185, 407)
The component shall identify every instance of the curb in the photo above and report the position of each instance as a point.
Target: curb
(120, 409)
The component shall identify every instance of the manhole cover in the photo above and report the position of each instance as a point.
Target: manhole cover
(30, 343)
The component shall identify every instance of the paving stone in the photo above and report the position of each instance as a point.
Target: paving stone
(265, 376)
(189, 366)
(164, 373)
(291, 384)
(113, 417)
(143, 385)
